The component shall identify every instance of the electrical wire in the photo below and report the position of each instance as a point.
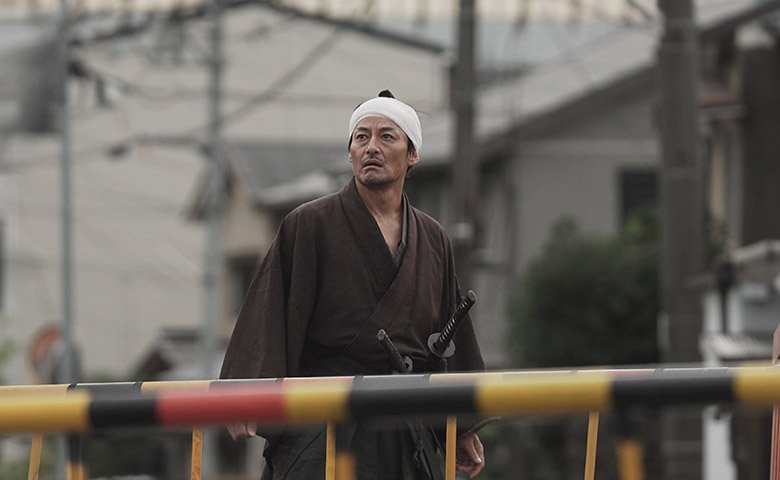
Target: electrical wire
(275, 91)
(513, 100)
(282, 83)
(569, 52)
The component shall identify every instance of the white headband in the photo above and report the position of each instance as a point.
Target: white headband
(399, 112)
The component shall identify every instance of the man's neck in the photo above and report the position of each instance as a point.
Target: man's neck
(383, 203)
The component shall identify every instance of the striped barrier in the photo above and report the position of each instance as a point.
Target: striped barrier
(341, 399)
(774, 455)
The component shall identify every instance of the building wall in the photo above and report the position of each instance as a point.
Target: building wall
(136, 258)
(571, 170)
(760, 76)
(247, 235)
(247, 229)
(579, 179)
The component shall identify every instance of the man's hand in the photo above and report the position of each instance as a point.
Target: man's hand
(242, 430)
(470, 458)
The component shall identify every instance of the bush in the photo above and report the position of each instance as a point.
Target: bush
(589, 300)
(586, 300)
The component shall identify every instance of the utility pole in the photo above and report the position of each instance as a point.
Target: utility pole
(213, 257)
(465, 168)
(66, 372)
(66, 209)
(682, 226)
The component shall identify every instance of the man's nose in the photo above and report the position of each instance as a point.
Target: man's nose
(372, 145)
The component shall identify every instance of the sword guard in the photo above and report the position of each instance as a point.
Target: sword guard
(448, 351)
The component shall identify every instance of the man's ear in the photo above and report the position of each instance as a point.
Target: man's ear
(414, 157)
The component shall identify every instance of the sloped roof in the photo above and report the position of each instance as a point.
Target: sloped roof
(590, 66)
(263, 166)
(279, 174)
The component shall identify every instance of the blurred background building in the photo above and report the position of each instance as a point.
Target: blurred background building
(567, 125)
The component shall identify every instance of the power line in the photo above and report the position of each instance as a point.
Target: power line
(282, 83)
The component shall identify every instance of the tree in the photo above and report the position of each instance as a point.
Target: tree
(589, 300)
(586, 300)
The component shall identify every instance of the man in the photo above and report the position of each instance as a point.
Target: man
(342, 267)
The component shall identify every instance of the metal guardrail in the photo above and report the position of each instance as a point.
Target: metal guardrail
(85, 407)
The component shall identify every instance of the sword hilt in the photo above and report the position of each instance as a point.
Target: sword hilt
(400, 364)
(440, 344)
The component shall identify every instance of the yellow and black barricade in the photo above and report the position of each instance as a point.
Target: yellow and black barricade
(82, 408)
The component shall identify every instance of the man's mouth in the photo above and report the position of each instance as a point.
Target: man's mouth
(372, 163)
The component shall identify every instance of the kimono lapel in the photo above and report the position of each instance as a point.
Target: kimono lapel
(396, 302)
(368, 236)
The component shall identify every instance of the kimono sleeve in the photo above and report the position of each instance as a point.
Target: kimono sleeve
(270, 329)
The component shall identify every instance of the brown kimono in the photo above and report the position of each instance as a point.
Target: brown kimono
(328, 283)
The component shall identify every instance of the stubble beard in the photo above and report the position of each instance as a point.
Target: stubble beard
(375, 181)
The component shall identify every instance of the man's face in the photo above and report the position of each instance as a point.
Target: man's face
(379, 152)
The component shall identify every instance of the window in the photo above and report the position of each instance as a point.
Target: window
(638, 191)
(241, 271)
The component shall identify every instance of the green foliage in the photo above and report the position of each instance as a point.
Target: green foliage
(589, 300)
(585, 300)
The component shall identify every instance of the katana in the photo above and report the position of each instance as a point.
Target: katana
(440, 345)
(401, 364)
